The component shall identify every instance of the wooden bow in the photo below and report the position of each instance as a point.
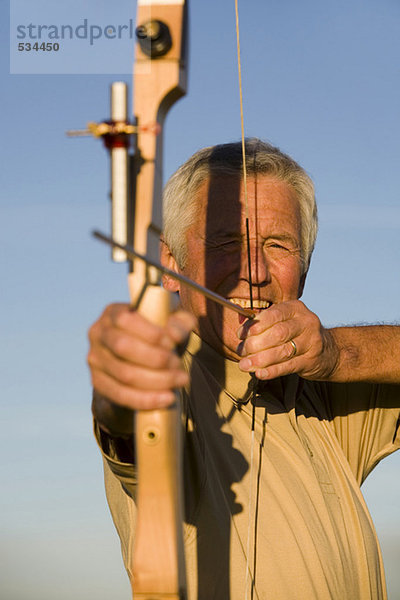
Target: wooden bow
(158, 566)
(159, 79)
(158, 559)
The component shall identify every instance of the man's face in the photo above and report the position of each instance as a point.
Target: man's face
(218, 260)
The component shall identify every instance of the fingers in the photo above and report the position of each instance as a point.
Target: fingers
(272, 328)
(129, 336)
(114, 344)
(123, 320)
(272, 363)
(132, 397)
(133, 362)
(276, 318)
(151, 374)
(285, 339)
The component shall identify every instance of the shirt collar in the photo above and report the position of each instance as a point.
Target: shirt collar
(241, 386)
(236, 383)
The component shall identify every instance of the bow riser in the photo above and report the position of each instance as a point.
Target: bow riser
(158, 568)
(158, 565)
(158, 84)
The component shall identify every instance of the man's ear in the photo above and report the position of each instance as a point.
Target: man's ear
(167, 260)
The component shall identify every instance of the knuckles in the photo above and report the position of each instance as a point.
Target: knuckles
(93, 332)
(282, 331)
(132, 361)
(91, 358)
(287, 352)
(118, 343)
(126, 374)
(121, 319)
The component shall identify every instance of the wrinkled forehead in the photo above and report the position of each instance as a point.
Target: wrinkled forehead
(219, 193)
(223, 200)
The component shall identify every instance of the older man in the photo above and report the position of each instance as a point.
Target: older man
(325, 403)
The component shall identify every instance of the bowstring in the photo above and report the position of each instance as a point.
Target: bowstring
(246, 205)
(246, 202)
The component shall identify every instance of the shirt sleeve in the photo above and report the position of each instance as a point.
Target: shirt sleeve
(366, 420)
(120, 485)
(118, 455)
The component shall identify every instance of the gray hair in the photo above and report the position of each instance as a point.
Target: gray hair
(180, 201)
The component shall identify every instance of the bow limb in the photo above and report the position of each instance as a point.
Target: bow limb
(159, 80)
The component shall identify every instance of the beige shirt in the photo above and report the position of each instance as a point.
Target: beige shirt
(284, 504)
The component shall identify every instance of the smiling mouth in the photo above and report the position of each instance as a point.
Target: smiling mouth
(257, 304)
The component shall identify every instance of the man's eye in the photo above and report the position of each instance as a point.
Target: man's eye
(231, 244)
(277, 246)
(223, 244)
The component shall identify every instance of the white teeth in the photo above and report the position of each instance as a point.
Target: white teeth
(246, 303)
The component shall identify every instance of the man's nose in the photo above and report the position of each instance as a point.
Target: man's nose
(255, 264)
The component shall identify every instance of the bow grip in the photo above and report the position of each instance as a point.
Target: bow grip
(158, 559)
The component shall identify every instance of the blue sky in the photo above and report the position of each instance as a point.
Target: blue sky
(322, 81)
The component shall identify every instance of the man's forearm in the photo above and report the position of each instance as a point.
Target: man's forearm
(367, 353)
(289, 338)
